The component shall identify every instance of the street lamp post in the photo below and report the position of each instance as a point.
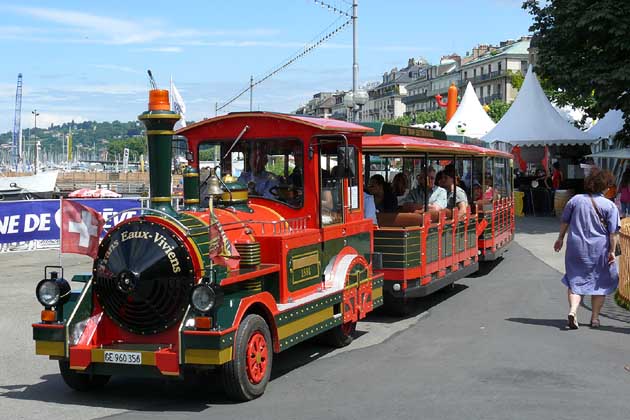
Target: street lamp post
(357, 98)
(36, 157)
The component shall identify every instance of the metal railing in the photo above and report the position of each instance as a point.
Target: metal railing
(623, 291)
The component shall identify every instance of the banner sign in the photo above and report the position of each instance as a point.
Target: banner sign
(30, 220)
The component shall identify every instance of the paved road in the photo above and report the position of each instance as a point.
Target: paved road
(494, 347)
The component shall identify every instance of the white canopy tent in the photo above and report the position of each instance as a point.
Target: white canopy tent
(533, 121)
(608, 126)
(470, 119)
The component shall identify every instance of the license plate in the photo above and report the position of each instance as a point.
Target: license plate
(123, 357)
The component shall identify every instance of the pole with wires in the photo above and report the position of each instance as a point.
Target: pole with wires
(355, 64)
(251, 93)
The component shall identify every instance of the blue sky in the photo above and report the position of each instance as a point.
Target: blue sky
(87, 60)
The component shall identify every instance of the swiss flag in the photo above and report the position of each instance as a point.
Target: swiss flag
(81, 228)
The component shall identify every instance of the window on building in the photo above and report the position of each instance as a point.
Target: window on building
(465, 75)
(488, 90)
(524, 66)
(498, 91)
(474, 72)
(489, 68)
(499, 67)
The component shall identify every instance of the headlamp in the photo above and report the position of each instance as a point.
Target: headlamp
(203, 297)
(53, 291)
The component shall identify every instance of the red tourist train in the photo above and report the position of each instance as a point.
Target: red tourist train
(273, 248)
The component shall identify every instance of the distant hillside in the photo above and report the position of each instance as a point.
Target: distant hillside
(111, 136)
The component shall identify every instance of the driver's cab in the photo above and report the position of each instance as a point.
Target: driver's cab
(267, 168)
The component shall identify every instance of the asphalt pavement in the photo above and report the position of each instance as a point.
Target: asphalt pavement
(493, 347)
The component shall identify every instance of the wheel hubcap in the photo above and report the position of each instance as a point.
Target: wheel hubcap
(256, 357)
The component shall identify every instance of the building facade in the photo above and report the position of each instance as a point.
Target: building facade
(386, 99)
(491, 72)
(421, 93)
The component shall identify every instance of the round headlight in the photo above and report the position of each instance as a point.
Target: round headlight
(48, 292)
(203, 298)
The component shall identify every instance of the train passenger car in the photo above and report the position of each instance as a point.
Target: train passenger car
(425, 246)
(281, 254)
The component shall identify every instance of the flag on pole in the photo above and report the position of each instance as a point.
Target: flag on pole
(178, 105)
(545, 161)
(522, 165)
(81, 228)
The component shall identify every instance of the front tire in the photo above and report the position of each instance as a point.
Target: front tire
(246, 376)
(82, 382)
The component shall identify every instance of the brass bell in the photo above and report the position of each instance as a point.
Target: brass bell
(214, 185)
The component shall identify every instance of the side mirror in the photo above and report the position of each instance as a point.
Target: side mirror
(189, 155)
(346, 160)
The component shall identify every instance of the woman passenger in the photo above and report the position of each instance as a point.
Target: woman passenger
(400, 187)
(384, 198)
(456, 196)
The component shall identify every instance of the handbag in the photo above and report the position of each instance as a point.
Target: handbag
(603, 222)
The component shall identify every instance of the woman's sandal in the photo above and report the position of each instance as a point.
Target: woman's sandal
(595, 323)
(572, 321)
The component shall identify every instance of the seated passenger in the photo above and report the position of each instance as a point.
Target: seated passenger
(456, 196)
(400, 187)
(369, 209)
(437, 194)
(384, 198)
(258, 180)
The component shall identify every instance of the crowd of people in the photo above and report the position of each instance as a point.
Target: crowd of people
(440, 189)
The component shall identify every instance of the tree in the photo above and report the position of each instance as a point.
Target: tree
(583, 51)
(421, 117)
(516, 79)
(497, 110)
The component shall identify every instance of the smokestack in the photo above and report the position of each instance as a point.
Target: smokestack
(159, 121)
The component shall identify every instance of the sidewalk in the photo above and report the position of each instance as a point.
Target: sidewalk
(537, 235)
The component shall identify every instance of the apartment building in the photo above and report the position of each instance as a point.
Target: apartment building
(320, 106)
(385, 100)
(489, 71)
(421, 93)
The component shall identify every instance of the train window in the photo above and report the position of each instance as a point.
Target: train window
(331, 182)
(270, 168)
(500, 177)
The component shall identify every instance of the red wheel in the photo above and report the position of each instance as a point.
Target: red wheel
(256, 358)
(247, 375)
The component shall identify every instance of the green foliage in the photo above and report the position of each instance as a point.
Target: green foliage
(424, 117)
(136, 145)
(516, 79)
(583, 52)
(497, 110)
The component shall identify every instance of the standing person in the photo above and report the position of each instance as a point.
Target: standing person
(624, 191)
(592, 223)
(556, 177)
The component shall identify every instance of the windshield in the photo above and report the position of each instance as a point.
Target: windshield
(269, 168)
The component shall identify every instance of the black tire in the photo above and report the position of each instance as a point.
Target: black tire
(82, 382)
(236, 381)
(341, 335)
(398, 306)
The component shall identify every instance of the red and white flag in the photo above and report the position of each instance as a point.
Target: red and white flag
(81, 228)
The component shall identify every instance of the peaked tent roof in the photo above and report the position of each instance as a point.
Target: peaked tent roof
(470, 112)
(533, 121)
(609, 125)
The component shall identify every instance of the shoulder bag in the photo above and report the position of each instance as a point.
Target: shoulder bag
(604, 223)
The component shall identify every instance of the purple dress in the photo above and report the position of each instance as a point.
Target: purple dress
(586, 260)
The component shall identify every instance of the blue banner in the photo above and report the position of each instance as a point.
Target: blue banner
(40, 219)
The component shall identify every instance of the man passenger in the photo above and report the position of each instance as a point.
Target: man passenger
(258, 180)
(456, 197)
(437, 194)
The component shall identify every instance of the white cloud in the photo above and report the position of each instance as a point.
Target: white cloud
(115, 67)
(163, 49)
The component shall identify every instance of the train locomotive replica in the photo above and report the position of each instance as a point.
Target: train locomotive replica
(272, 247)
(224, 288)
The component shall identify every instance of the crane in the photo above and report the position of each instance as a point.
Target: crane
(17, 125)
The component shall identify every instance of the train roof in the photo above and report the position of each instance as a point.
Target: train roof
(391, 143)
(323, 124)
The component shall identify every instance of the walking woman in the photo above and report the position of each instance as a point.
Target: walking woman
(592, 224)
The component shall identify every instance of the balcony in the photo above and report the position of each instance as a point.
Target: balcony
(414, 98)
(483, 77)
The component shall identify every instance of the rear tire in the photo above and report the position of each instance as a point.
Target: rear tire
(246, 376)
(82, 382)
(341, 335)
